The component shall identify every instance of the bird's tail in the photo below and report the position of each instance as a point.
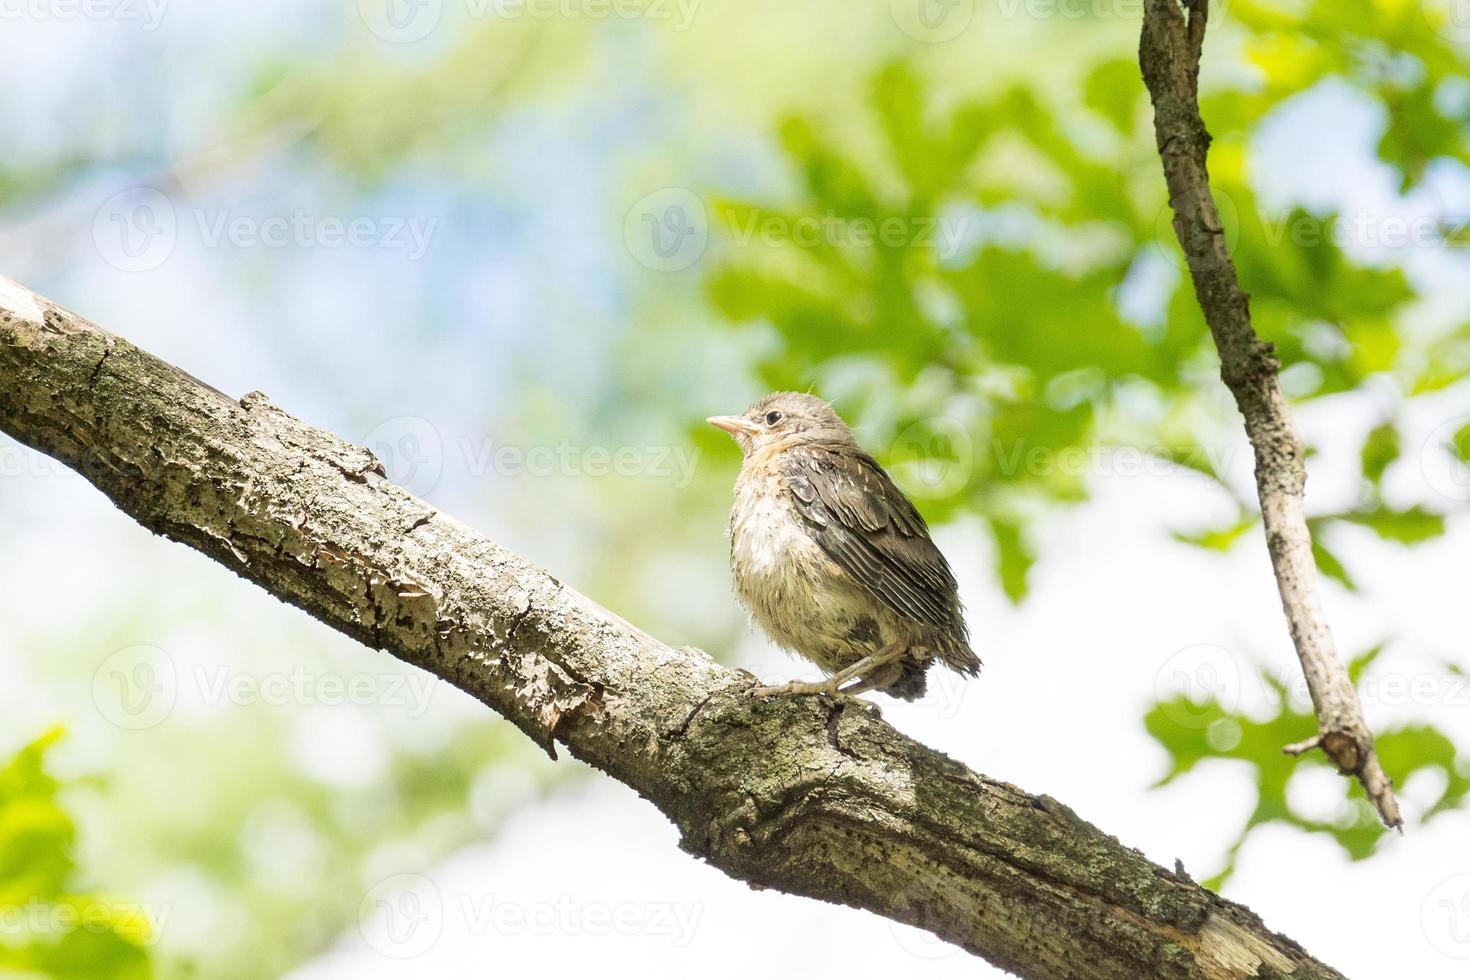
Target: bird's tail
(958, 656)
(912, 684)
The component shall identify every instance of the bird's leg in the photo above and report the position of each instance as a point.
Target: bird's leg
(876, 680)
(832, 685)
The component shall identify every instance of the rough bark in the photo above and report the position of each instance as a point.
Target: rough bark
(1169, 53)
(802, 794)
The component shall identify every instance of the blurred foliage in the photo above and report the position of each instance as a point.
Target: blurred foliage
(1194, 731)
(48, 926)
(278, 782)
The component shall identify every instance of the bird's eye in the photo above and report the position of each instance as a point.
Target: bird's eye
(772, 418)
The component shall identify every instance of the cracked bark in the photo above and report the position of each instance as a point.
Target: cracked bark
(796, 794)
(1169, 53)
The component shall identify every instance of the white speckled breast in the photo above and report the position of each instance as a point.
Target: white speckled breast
(765, 530)
(794, 592)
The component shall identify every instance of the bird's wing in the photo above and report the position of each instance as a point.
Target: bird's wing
(865, 524)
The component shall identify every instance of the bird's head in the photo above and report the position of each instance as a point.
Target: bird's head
(785, 419)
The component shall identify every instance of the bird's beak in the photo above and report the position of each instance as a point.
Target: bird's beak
(735, 425)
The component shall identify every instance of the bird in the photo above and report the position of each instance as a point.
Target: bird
(832, 561)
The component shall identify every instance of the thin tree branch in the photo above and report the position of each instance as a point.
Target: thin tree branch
(1169, 53)
(801, 794)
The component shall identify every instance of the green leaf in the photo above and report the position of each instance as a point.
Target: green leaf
(61, 935)
(1412, 526)
(1218, 539)
(1379, 451)
(1014, 558)
(1330, 565)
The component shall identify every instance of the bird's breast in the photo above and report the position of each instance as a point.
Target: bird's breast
(794, 592)
(766, 532)
(779, 568)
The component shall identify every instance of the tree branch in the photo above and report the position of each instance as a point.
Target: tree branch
(803, 794)
(1169, 53)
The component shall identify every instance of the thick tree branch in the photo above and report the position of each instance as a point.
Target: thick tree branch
(1169, 53)
(801, 794)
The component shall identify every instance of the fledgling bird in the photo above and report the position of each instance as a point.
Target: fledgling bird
(832, 560)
